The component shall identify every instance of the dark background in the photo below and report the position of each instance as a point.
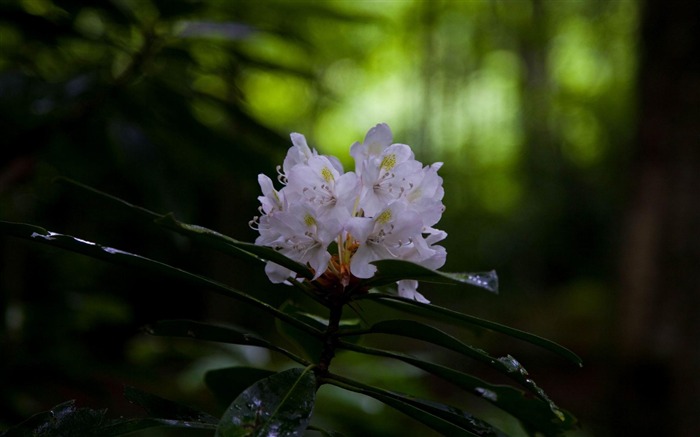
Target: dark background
(569, 132)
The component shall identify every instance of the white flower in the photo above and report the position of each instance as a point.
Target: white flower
(319, 184)
(425, 193)
(271, 200)
(299, 153)
(377, 139)
(384, 236)
(386, 177)
(386, 209)
(298, 234)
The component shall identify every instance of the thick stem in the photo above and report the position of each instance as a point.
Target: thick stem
(330, 338)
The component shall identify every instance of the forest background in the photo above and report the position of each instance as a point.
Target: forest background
(569, 132)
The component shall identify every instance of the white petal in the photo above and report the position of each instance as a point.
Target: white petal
(336, 163)
(434, 235)
(299, 153)
(360, 263)
(271, 200)
(299, 141)
(397, 153)
(319, 261)
(378, 138)
(276, 273)
(360, 228)
(408, 288)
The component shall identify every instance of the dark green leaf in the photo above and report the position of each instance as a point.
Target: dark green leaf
(121, 427)
(222, 334)
(392, 270)
(436, 312)
(63, 419)
(162, 408)
(117, 256)
(443, 418)
(235, 247)
(540, 413)
(229, 382)
(420, 331)
(456, 416)
(324, 432)
(278, 405)
(224, 243)
(68, 421)
(309, 345)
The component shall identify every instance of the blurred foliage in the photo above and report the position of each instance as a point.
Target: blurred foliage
(179, 104)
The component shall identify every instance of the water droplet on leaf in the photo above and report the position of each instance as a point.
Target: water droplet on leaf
(487, 394)
(486, 280)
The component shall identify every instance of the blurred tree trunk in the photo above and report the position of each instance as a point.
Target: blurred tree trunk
(659, 311)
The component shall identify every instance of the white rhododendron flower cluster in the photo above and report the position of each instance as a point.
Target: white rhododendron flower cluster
(385, 209)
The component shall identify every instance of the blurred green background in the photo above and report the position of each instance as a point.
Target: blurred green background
(569, 132)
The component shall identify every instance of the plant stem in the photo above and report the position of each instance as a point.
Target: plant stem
(330, 337)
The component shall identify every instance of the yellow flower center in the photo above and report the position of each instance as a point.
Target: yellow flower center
(309, 220)
(384, 217)
(327, 175)
(388, 162)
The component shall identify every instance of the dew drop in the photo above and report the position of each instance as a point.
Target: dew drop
(89, 243)
(487, 394)
(485, 280)
(512, 365)
(50, 236)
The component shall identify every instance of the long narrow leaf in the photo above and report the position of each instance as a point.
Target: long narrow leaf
(430, 310)
(445, 419)
(420, 331)
(325, 432)
(310, 347)
(219, 241)
(233, 246)
(163, 408)
(117, 256)
(221, 334)
(121, 427)
(392, 270)
(66, 419)
(541, 414)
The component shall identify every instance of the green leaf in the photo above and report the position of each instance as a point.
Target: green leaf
(278, 405)
(233, 246)
(224, 243)
(541, 414)
(324, 432)
(67, 420)
(309, 345)
(229, 382)
(446, 419)
(63, 419)
(392, 270)
(121, 427)
(435, 312)
(221, 334)
(420, 331)
(162, 408)
(117, 256)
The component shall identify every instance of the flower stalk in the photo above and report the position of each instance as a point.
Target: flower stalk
(330, 338)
